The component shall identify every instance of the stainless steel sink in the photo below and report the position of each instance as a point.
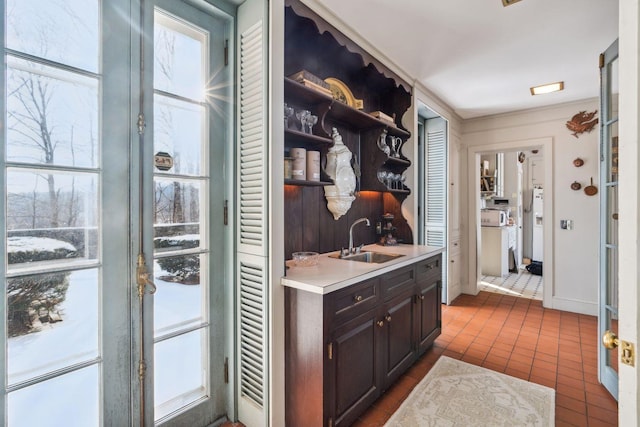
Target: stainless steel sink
(368, 257)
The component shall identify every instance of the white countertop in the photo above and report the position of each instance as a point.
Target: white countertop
(332, 274)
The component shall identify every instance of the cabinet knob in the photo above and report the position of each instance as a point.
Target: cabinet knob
(387, 318)
(358, 298)
(452, 261)
(380, 323)
(421, 296)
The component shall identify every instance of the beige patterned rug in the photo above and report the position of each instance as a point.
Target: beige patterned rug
(456, 393)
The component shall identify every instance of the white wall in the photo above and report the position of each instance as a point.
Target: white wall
(574, 267)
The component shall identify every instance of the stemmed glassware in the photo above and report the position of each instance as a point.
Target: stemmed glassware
(311, 121)
(393, 181)
(303, 116)
(288, 112)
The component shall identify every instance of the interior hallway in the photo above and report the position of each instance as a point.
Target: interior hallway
(519, 337)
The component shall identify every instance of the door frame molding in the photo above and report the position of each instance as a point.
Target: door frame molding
(473, 231)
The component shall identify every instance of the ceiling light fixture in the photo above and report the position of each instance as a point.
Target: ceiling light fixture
(548, 88)
(506, 3)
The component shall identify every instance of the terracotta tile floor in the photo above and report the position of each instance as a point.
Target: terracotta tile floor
(518, 337)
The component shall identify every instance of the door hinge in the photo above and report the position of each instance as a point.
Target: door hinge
(141, 124)
(142, 370)
(226, 370)
(330, 422)
(226, 212)
(330, 350)
(601, 61)
(226, 52)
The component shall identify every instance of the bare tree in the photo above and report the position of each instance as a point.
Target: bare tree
(34, 94)
(165, 42)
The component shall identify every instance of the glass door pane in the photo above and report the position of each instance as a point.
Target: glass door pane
(187, 269)
(608, 315)
(52, 230)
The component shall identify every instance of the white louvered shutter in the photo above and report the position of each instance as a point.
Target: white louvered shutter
(436, 197)
(252, 216)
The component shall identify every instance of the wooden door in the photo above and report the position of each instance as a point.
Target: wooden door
(429, 322)
(398, 343)
(354, 375)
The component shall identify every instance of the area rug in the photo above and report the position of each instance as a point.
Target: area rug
(456, 393)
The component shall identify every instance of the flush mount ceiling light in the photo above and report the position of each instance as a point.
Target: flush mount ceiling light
(548, 88)
(506, 3)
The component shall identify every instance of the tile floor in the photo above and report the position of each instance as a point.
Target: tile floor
(519, 337)
(522, 284)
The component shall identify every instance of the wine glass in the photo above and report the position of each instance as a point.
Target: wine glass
(389, 177)
(303, 116)
(398, 178)
(311, 121)
(288, 112)
(381, 176)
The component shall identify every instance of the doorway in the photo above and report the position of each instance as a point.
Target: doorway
(433, 176)
(511, 195)
(474, 202)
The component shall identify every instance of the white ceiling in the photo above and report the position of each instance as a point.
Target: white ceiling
(481, 58)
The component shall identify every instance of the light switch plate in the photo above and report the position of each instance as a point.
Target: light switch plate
(566, 224)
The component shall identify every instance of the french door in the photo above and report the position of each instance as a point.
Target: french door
(609, 155)
(117, 117)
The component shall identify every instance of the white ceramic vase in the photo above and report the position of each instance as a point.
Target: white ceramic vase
(340, 195)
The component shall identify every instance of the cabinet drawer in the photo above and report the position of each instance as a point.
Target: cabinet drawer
(354, 300)
(397, 281)
(429, 269)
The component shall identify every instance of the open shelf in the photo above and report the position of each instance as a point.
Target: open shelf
(398, 161)
(307, 138)
(338, 110)
(307, 183)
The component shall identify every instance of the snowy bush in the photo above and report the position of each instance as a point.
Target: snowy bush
(34, 299)
(183, 269)
(185, 241)
(30, 249)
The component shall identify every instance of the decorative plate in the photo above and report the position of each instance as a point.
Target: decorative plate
(342, 93)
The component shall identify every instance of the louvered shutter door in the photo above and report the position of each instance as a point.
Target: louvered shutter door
(436, 201)
(252, 215)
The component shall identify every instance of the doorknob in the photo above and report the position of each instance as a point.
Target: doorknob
(610, 340)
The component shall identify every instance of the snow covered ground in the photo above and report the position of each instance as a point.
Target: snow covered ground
(179, 362)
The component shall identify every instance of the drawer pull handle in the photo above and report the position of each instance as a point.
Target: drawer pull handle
(387, 318)
(380, 323)
(358, 298)
(430, 266)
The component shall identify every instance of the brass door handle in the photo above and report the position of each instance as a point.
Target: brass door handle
(610, 340)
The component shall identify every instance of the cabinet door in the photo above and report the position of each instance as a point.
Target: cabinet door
(354, 380)
(429, 312)
(398, 343)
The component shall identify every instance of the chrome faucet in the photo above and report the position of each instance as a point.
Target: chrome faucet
(351, 248)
